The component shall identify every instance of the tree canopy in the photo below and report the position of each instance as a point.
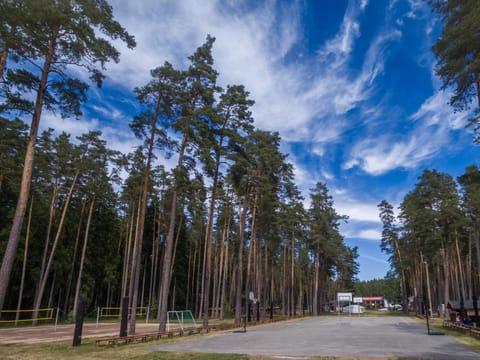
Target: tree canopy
(458, 54)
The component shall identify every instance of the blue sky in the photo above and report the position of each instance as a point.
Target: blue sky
(349, 85)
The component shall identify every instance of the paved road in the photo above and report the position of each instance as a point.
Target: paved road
(332, 336)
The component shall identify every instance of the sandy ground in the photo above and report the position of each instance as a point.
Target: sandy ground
(48, 333)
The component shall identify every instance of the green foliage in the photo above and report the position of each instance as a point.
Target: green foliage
(431, 212)
(52, 35)
(470, 190)
(457, 52)
(331, 255)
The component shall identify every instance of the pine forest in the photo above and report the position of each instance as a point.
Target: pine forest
(80, 220)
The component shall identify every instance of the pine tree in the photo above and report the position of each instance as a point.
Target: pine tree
(57, 34)
(458, 55)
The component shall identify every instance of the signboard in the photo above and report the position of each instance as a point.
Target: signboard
(344, 296)
(357, 300)
(372, 298)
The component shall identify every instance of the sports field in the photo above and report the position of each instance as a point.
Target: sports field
(48, 333)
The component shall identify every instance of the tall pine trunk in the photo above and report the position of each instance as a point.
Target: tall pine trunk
(476, 240)
(82, 258)
(316, 280)
(292, 277)
(225, 271)
(208, 246)
(24, 265)
(3, 59)
(51, 216)
(15, 232)
(137, 252)
(127, 250)
(167, 257)
(446, 289)
(74, 257)
(44, 276)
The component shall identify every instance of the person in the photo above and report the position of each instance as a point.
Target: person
(468, 321)
(458, 320)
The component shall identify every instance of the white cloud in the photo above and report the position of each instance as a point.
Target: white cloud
(363, 4)
(357, 211)
(72, 126)
(382, 154)
(370, 234)
(417, 8)
(361, 230)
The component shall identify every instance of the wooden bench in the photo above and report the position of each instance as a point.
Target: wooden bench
(142, 337)
(470, 330)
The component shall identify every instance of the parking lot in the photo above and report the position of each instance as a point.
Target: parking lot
(376, 337)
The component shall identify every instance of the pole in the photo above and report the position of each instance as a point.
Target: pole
(56, 319)
(428, 289)
(98, 316)
(425, 295)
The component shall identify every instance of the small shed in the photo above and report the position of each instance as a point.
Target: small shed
(469, 306)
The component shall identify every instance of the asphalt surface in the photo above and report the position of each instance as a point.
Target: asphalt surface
(380, 337)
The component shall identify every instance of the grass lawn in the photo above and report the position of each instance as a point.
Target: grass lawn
(88, 350)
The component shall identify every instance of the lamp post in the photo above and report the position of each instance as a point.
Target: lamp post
(428, 306)
(428, 289)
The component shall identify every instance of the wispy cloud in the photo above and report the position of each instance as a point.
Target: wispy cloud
(436, 110)
(379, 156)
(374, 258)
(430, 134)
